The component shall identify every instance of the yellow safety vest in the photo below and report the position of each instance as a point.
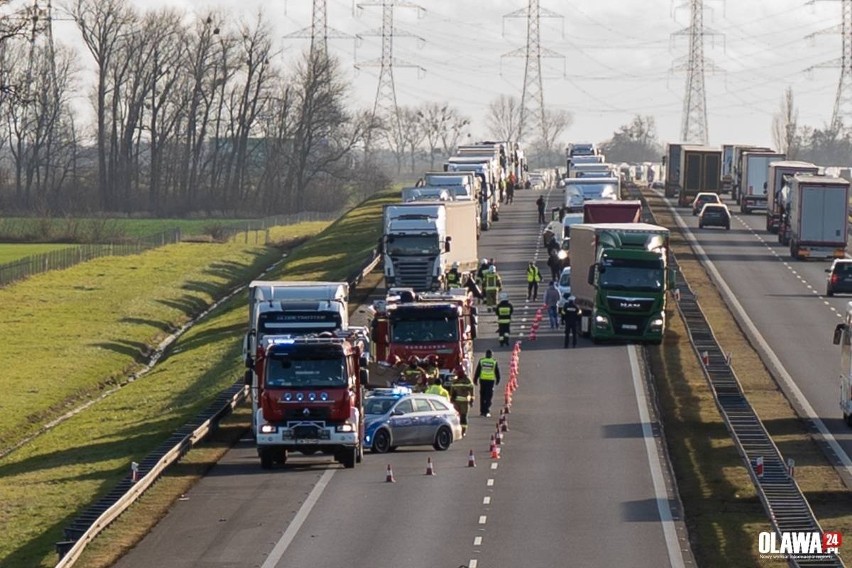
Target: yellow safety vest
(453, 278)
(486, 369)
(533, 275)
(439, 390)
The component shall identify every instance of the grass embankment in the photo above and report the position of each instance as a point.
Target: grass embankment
(101, 230)
(12, 252)
(46, 483)
(723, 513)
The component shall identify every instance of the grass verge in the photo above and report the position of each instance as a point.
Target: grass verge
(47, 482)
(723, 513)
(13, 252)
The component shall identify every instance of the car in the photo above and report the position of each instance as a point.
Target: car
(702, 199)
(714, 215)
(564, 284)
(395, 417)
(658, 185)
(839, 279)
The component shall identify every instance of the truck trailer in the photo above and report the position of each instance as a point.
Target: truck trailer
(817, 219)
(421, 241)
(700, 170)
(605, 211)
(672, 163)
(778, 171)
(755, 179)
(619, 277)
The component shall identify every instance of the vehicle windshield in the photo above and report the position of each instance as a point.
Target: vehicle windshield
(424, 331)
(413, 244)
(625, 274)
(294, 370)
(293, 323)
(596, 190)
(378, 406)
(565, 280)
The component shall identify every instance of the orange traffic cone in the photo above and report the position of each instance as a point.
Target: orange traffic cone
(495, 451)
(389, 477)
(504, 422)
(471, 460)
(429, 469)
(498, 437)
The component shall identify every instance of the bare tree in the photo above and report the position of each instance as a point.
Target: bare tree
(504, 118)
(554, 124)
(442, 126)
(411, 134)
(785, 126)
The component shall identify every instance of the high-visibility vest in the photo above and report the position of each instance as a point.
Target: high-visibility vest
(439, 390)
(533, 275)
(504, 312)
(486, 369)
(491, 280)
(453, 278)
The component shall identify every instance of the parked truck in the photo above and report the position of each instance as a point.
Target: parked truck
(284, 319)
(778, 172)
(423, 193)
(594, 188)
(605, 211)
(727, 168)
(619, 277)
(817, 219)
(672, 163)
(755, 179)
(421, 241)
(700, 170)
(488, 171)
(843, 337)
(738, 165)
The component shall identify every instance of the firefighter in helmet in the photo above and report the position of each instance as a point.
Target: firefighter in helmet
(413, 374)
(462, 393)
(493, 285)
(453, 278)
(504, 318)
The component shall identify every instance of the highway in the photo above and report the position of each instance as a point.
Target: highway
(580, 481)
(785, 299)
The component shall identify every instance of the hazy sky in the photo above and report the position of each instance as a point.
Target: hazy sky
(619, 56)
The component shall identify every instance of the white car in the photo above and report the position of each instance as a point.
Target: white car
(564, 285)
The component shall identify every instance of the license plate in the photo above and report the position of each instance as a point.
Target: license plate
(305, 441)
(630, 326)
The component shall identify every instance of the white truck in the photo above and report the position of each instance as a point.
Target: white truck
(596, 170)
(817, 218)
(488, 171)
(421, 241)
(774, 200)
(594, 187)
(426, 193)
(755, 179)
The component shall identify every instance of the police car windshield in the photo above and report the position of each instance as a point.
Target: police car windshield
(424, 331)
(620, 274)
(378, 406)
(311, 371)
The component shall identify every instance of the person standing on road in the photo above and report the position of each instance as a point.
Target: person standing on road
(437, 388)
(554, 263)
(551, 300)
(533, 278)
(493, 285)
(487, 375)
(540, 203)
(571, 318)
(462, 395)
(504, 318)
(453, 277)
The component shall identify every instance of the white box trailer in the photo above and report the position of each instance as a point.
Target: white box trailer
(818, 218)
(774, 201)
(755, 180)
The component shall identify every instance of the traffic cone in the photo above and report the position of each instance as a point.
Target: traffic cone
(498, 437)
(471, 460)
(430, 470)
(533, 331)
(389, 477)
(495, 451)
(705, 358)
(504, 424)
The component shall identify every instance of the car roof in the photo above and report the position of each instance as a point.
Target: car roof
(715, 206)
(706, 194)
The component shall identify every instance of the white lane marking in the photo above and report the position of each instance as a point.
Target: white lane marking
(483, 519)
(774, 361)
(490, 483)
(493, 466)
(486, 500)
(669, 532)
(305, 510)
(473, 563)
(477, 541)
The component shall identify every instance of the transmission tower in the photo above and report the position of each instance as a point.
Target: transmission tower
(319, 32)
(694, 120)
(843, 98)
(385, 104)
(532, 97)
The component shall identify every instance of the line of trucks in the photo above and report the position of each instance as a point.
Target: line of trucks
(309, 370)
(807, 209)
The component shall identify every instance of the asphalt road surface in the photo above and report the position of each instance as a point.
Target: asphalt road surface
(580, 480)
(785, 299)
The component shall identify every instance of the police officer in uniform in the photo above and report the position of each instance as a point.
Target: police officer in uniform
(462, 395)
(487, 375)
(504, 312)
(570, 313)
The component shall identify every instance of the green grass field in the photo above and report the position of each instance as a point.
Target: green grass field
(112, 310)
(13, 252)
(21, 229)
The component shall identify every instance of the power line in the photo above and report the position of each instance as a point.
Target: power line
(319, 32)
(843, 97)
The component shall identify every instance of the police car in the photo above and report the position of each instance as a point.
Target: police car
(397, 416)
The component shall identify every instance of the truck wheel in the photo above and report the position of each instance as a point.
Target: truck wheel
(348, 457)
(443, 439)
(828, 292)
(381, 442)
(794, 250)
(266, 458)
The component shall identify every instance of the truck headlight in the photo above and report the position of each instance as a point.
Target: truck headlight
(657, 323)
(345, 427)
(268, 429)
(562, 255)
(601, 320)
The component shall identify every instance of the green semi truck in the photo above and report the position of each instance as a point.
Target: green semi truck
(619, 279)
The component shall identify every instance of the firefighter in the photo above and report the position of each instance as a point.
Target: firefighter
(504, 317)
(480, 272)
(453, 278)
(414, 374)
(437, 388)
(493, 285)
(462, 395)
(432, 369)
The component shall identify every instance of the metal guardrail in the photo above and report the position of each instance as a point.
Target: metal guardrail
(782, 499)
(83, 529)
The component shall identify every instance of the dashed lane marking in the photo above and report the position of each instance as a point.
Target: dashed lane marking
(477, 541)
(483, 519)
(493, 466)
(486, 500)
(490, 483)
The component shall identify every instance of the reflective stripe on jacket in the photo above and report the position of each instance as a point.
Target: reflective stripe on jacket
(487, 369)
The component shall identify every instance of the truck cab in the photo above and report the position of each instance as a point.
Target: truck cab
(843, 338)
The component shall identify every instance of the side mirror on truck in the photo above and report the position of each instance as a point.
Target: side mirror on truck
(591, 277)
(838, 333)
(672, 274)
(364, 375)
(447, 242)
